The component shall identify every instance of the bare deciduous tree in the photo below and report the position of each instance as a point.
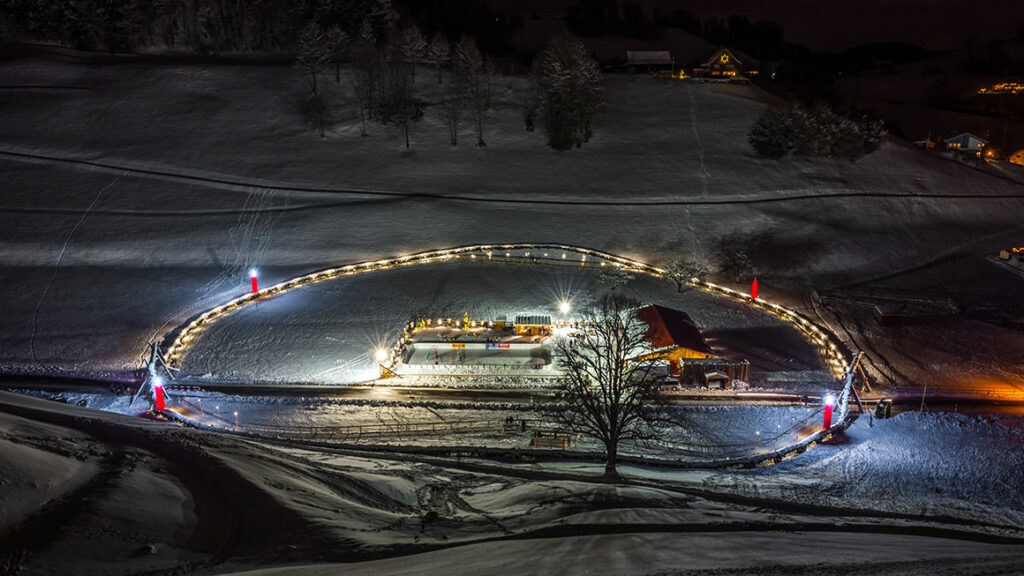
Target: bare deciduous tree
(364, 54)
(396, 101)
(608, 385)
(338, 46)
(313, 53)
(413, 47)
(318, 111)
(454, 103)
(438, 53)
(614, 278)
(686, 268)
(400, 108)
(469, 66)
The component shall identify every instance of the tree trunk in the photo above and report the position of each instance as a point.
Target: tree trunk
(313, 75)
(337, 72)
(609, 467)
(406, 135)
(438, 74)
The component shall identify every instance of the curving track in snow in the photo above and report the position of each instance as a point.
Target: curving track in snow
(242, 184)
(530, 253)
(185, 336)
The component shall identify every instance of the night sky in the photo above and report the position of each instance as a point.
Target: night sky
(840, 24)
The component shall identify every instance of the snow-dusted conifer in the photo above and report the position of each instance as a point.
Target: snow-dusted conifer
(571, 92)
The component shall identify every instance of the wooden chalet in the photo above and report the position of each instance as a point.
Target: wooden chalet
(724, 63)
(675, 338)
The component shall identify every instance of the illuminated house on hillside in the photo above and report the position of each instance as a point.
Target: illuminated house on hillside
(673, 335)
(723, 63)
(966, 143)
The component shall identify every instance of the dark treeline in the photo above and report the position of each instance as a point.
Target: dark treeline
(204, 26)
(457, 18)
(211, 26)
(629, 18)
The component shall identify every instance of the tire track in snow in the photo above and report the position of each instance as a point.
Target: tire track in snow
(942, 525)
(695, 246)
(36, 533)
(242, 235)
(56, 266)
(240, 185)
(249, 237)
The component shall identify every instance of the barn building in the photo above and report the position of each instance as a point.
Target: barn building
(649, 60)
(674, 336)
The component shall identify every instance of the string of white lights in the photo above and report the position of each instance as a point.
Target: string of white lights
(525, 253)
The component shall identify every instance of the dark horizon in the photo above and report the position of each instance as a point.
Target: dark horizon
(842, 24)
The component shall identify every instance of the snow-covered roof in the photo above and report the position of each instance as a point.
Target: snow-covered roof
(966, 136)
(667, 327)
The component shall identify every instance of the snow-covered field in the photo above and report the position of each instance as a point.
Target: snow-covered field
(133, 495)
(196, 173)
(699, 433)
(941, 464)
(97, 259)
(329, 332)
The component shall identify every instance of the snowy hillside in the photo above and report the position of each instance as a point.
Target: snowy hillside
(136, 195)
(97, 258)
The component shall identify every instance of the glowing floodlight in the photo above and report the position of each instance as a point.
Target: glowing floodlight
(381, 355)
(564, 307)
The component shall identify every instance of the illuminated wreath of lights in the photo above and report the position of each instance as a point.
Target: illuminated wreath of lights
(187, 334)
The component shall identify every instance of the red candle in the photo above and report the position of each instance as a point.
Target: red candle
(829, 401)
